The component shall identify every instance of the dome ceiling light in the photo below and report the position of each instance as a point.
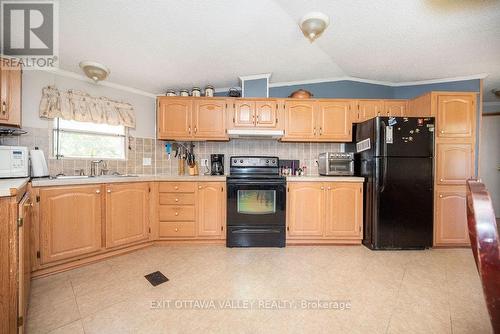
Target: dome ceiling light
(313, 24)
(95, 71)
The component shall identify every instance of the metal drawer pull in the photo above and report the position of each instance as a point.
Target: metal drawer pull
(177, 213)
(177, 200)
(176, 229)
(176, 188)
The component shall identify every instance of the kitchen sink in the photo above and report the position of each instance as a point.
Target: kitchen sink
(66, 177)
(70, 177)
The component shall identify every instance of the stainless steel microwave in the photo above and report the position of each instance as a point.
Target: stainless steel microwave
(336, 163)
(13, 161)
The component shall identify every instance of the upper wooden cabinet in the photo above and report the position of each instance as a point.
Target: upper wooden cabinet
(254, 113)
(454, 163)
(318, 120)
(10, 93)
(185, 118)
(450, 221)
(211, 209)
(396, 108)
(344, 210)
(335, 120)
(368, 109)
(300, 120)
(70, 222)
(127, 213)
(325, 211)
(455, 116)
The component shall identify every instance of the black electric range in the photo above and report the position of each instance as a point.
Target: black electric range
(256, 203)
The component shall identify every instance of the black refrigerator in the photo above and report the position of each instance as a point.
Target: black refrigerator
(395, 155)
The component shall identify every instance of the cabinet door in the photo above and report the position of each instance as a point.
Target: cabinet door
(10, 93)
(454, 163)
(209, 119)
(396, 108)
(450, 223)
(368, 109)
(211, 198)
(127, 213)
(344, 210)
(244, 114)
(334, 120)
(70, 222)
(305, 210)
(300, 120)
(24, 256)
(174, 118)
(266, 114)
(455, 116)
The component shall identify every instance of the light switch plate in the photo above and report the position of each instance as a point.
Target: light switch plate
(146, 161)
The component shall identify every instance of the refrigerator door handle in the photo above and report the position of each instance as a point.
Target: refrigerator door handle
(384, 157)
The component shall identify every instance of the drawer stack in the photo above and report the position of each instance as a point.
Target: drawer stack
(177, 209)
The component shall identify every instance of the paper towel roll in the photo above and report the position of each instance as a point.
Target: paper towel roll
(38, 164)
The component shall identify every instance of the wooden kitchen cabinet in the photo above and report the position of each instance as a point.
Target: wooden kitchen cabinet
(455, 116)
(243, 113)
(209, 119)
(174, 118)
(24, 259)
(266, 114)
(10, 93)
(335, 120)
(344, 210)
(368, 109)
(396, 108)
(253, 113)
(306, 210)
(454, 163)
(186, 118)
(211, 209)
(450, 222)
(70, 222)
(300, 121)
(127, 213)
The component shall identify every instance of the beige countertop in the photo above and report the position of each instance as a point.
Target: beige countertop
(10, 187)
(319, 178)
(46, 182)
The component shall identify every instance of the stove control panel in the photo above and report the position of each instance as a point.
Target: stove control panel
(246, 161)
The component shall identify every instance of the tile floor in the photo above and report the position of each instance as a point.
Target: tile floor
(434, 291)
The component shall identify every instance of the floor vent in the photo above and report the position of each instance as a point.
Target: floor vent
(156, 278)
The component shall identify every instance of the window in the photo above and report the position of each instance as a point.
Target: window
(74, 139)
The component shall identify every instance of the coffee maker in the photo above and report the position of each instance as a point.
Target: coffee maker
(216, 164)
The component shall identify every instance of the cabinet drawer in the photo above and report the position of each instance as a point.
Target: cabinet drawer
(177, 198)
(177, 212)
(177, 187)
(175, 229)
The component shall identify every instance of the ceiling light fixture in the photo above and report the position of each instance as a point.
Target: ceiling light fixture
(95, 71)
(496, 92)
(313, 24)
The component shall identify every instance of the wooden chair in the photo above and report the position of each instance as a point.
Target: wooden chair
(483, 233)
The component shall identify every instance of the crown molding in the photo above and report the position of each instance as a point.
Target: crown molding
(72, 75)
(255, 76)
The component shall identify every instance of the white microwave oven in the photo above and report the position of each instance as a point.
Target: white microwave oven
(13, 161)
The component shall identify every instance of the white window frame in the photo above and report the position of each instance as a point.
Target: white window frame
(54, 148)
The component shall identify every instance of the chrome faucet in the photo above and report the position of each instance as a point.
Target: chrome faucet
(94, 167)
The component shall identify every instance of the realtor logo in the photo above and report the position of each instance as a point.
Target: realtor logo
(29, 32)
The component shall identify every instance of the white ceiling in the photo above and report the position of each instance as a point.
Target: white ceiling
(153, 45)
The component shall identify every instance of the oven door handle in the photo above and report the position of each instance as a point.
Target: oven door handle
(255, 230)
(260, 182)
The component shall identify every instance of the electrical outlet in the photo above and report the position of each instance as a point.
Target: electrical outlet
(146, 161)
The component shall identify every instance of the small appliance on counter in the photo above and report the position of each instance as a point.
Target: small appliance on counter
(38, 163)
(336, 163)
(13, 161)
(216, 164)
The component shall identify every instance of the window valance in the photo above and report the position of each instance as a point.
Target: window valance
(80, 106)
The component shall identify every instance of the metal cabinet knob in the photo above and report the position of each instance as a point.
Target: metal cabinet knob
(442, 131)
(199, 187)
(329, 188)
(176, 229)
(440, 196)
(97, 191)
(177, 213)
(176, 188)
(109, 190)
(177, 200)
(441, 180)
(322, 188)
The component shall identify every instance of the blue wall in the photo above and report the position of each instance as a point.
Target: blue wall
(256, 88)
(408, 92)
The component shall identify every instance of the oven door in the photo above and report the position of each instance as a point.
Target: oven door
(256, 202)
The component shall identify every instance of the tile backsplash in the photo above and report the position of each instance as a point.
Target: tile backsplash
(140, 148)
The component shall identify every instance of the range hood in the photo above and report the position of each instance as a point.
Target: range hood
(255, 134)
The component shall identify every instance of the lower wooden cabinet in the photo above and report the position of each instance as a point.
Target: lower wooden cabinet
(127, 213)
(191, 210)
(325, 211)
(70, 222)
(24, 259)
(450, 222)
